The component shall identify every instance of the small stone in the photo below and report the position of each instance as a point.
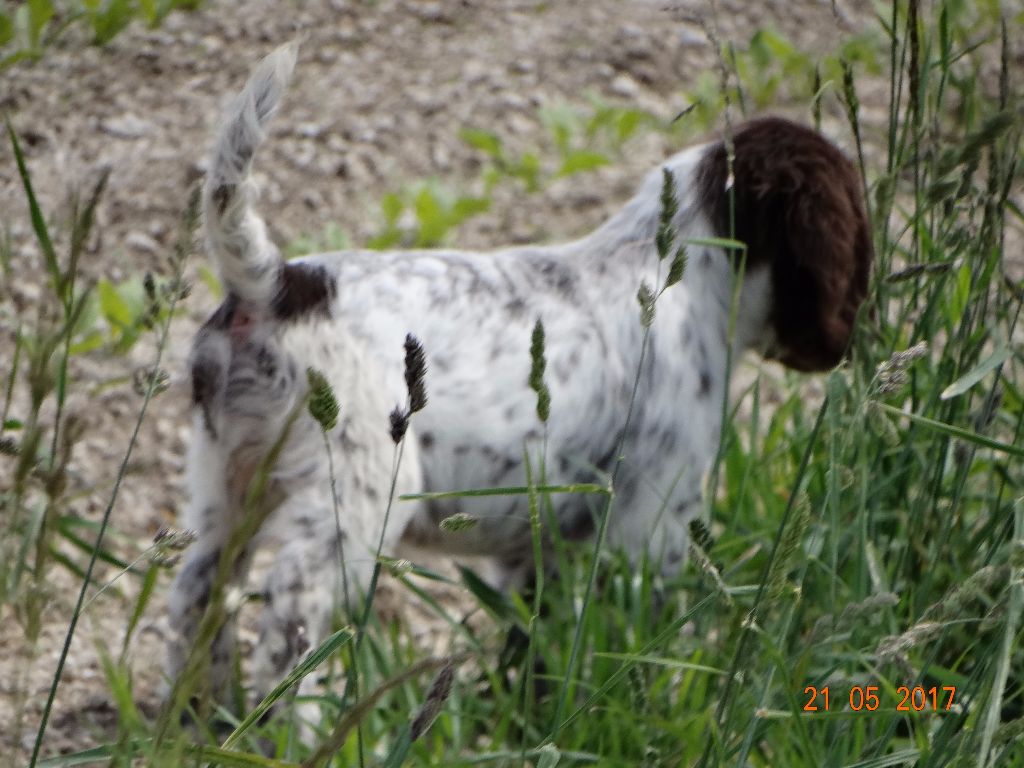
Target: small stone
(432, 12)
(691, 38)
(141, 242)
(127, 126)
(522, 66)
(624, 86)
(309, 130)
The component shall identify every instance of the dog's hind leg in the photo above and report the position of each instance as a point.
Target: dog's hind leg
(211, 516)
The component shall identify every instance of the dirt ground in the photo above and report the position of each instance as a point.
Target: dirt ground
(382, 91)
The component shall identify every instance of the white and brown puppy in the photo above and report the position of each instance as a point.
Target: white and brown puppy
(796, 203)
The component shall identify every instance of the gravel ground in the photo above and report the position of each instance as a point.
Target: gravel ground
(380, 96)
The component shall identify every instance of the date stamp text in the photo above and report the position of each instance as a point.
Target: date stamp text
(871, 697)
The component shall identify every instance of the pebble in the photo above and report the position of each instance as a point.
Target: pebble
(309, 130)
(624, 86)
(127, 126)
(139, 241)
(691, 38)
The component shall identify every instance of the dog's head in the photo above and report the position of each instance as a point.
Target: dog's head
(795, 201)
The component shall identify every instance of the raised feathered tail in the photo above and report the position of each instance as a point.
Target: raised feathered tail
(248, 261)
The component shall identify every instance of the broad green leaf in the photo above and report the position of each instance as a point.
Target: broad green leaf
(400, 749)
(148, 11)
(957, 432)
(485, 141)
(88, 343)
(115, 309)
(6, 28)
(717, 242)
(976, 374)
(209, 277)
(580, 160)
(145, 593)
(313, 660)
(38, 222)
(431, 217)
(392, 206)
(961, 295)
(494, 601)
(629, 121)
(549, 756)
(39, 13)
(111, 20)
(528, 169)
(469, 206)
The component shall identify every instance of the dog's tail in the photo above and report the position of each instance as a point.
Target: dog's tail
(248, 261)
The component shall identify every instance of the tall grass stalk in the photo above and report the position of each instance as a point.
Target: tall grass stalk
(183, 249)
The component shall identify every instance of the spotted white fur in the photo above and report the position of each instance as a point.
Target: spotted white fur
(347, 314)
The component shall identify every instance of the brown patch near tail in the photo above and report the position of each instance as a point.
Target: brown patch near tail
(303, 290)
(210, 359)
(798, 208)
(221, 196)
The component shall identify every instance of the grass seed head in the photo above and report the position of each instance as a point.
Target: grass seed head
(677, 268)
(399, 423)
(155, 377)
(665, 237)
(415, 373)
(323, 405)
(538, 364)
(169, 543)
(894, 647)
(792, 538)
(460, 521)
(646, 298)
(439, 691)
(891, 375)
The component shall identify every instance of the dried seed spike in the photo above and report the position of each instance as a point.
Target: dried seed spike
(399, 423)
(149, 286)
(169, 538)
(415, 373)
(323, 405)
(892, 373)
(168, 545)
(439, 691)
(700, 534)
(144, 378)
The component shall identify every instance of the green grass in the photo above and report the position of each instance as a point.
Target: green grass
(865, 541)
(29, 28)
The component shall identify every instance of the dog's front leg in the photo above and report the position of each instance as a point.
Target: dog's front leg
(319, 579)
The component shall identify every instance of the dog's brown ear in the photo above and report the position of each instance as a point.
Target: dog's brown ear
(796, 203)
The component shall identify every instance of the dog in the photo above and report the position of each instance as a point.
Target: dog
(781, 189)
